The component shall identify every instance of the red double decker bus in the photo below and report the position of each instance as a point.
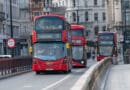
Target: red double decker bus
(106, 45)
(51, 50)
(78, 43)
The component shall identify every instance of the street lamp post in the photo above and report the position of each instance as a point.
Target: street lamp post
(11, 26)
(77, 11)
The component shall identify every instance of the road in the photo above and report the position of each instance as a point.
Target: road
(46, 81)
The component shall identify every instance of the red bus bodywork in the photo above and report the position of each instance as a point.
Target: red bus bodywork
(114, 45)
(78, 41)
(60, 64)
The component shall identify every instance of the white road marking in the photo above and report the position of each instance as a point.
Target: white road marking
(58, 82)
(27, 86)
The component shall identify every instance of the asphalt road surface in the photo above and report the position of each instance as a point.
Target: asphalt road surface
(45, 81)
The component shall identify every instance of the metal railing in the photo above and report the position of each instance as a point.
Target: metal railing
(13, 66)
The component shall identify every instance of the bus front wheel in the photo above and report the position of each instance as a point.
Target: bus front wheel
(37, 72)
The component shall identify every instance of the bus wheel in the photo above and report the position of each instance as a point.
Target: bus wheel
(69, 70)
(37, 72)
(66, 72)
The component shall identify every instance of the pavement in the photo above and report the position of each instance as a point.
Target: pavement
(45, 81)
(118, 78)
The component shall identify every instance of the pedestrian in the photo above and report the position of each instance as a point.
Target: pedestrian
(93, 54)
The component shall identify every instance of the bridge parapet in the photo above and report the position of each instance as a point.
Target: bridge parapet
(89, 81)
(14, 66)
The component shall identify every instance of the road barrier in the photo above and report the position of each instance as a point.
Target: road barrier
(89, 81)
(14, 66)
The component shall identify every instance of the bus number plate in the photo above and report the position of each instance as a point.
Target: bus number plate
(49, 69)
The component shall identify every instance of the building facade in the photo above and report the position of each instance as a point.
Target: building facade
(20, 26)
(117, 17)
(2, 36)
(25, 27)
(90, 13)
(59, 7)
(125, 12)
(113, 14)
(7, 25)
(47, 6)
(36, 8)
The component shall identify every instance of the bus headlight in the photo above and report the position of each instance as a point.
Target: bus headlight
(82, 62)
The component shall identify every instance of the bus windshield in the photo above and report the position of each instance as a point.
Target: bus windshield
(77, 32)
(49, 23)
(49, 51)
(106, 36)
(105, 50)
(104, 42)
(77, 52)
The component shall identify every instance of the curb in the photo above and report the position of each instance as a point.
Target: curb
(88, 81)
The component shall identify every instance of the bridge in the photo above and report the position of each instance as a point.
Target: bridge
(16, 74)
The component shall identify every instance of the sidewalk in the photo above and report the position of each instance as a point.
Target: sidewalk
(118, 78)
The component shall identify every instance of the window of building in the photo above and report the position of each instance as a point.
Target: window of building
(95, 2)
(96, 30)
(104, 28)
(74, 16)
(48, 2)
(35, 1)
(87, 33)
(36, 13)
(86, 3)
(96, 16)
(103, 3)
(127, 18)
(44, 3)
(103, 16)
(63, 3)
(47, 12)
(74, 3)
(86, 16)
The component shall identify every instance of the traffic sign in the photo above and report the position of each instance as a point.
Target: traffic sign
(11, 43)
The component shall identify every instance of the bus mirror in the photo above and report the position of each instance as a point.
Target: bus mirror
(64, 36)
(30, 49)
(34, 39)
(67, 45)
(115, 49)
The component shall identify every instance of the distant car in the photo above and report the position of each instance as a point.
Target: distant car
(5, 56)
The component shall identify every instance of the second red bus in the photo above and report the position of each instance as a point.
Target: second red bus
(78, 43)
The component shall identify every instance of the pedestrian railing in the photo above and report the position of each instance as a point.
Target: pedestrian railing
(13, 66)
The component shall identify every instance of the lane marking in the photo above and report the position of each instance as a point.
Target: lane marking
(58, 82)
(27, 86)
